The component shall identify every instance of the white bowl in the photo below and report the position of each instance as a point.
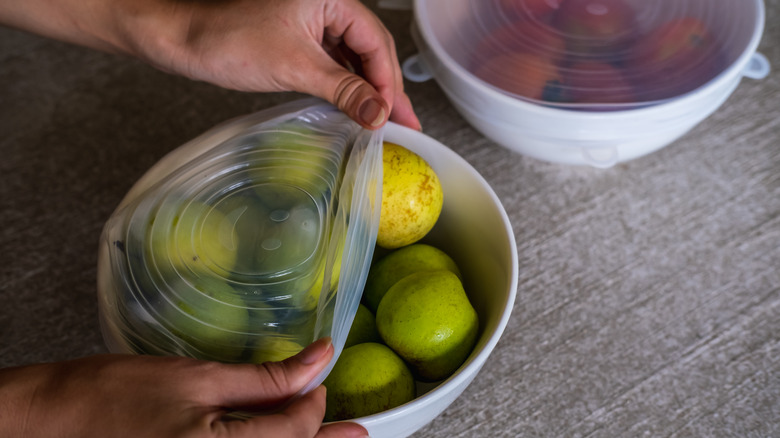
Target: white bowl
(596, 138)
(475, 230)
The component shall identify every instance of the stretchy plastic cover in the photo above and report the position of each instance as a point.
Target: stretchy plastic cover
(590, 54)
(247, 243)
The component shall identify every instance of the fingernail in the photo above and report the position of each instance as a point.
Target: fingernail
(314, 351)
(372, 113)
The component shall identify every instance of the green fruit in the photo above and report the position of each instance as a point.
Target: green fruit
(193, 237)
(288, 230)
(428, 320)
(367, 378)
(311, 298)
(363, 328)
(299, 157)
(274, 349)
(249, 217)
(209, 316)
(400, 263)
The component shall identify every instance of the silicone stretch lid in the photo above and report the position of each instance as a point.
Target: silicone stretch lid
(236, 252)
(591, 54)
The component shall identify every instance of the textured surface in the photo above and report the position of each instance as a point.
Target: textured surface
(649, 293)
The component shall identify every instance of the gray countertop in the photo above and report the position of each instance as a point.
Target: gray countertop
(649, 293)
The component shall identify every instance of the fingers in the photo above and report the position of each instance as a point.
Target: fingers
(358, 99)
(403, 113)
(262, 386)
(301, 418)
(380, 66)
(342, 430)
(375, 95)
(300, 46)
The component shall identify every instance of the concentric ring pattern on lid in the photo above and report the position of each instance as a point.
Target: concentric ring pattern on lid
(228, 256)
(591, 54)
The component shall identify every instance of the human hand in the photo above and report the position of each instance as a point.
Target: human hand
(289, 45)
(122, 395)
(246, 45)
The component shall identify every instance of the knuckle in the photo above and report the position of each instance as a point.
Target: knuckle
(347, 90)
(278, 375)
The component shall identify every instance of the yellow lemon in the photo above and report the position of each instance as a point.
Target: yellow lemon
(412, 197)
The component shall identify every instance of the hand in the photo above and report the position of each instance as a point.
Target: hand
(122, 395)
(308, 46)
(279, 45)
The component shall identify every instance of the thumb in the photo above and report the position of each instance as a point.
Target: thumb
(329, 79)
(268, 385)
(360, 101)
(354, 96)
(301, 418)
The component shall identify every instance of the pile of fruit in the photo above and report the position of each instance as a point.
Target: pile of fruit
(415, 321)
(591, 52)
(238, 275)
(228, 261)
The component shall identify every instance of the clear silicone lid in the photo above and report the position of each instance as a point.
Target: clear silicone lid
(248, 243)
(591, 54)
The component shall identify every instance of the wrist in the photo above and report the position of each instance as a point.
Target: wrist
(132, 27)
(148, 29)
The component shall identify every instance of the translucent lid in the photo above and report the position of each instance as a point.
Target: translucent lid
(248, 243)
(592, 54)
